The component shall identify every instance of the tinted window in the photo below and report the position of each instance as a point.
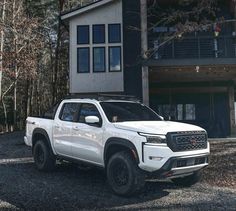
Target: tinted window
(124, 111)
(88, 110)
(83, 60)
(70, 112)
(115, 59)
(99, 60)
(50, 114)
(82, 34)
(98, 34)
(114, 33)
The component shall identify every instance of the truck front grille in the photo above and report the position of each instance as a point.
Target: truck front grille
(187, 141)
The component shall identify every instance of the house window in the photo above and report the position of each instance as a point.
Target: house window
(114, 33)
(83, 60)
(98, 34)
(114, 59)
(190, 112)
(180, 112)
(82, 35)
(99, 59)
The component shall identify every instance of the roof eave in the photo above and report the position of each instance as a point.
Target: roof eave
(87, 8)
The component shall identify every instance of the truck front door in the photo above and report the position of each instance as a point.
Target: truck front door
(87, 139)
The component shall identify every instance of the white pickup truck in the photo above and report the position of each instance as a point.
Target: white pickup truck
(126, 138)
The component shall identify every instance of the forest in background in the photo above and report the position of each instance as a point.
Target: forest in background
(33, 58)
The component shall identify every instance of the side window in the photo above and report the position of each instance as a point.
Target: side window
(114, 33)
(70, 112)
(88, 110)
(50, 114)
(99, 33)
(83, 58)
(82, 35)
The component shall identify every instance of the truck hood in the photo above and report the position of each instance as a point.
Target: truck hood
(156, 127)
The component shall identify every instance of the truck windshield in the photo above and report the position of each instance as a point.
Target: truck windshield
(128, 111)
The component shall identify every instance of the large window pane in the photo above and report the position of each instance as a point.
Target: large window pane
(99, 59)
(82, 60)
(115, 59)
(190, 112)
(180, 110)
(70, 112)
(114, 33)
(82, 35)
(98, 34)
(88, 110)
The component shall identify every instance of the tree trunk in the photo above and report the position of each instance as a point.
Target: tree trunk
(2, 46)
(57, 50)
(15, 68)
(5, 115)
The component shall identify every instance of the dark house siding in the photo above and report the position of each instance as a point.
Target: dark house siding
(132, 48)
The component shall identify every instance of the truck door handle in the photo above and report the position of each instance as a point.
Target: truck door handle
(57, 126)
(32, 123)
(76, 128)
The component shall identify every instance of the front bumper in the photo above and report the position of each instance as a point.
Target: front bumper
(180, 166)
(162, 161)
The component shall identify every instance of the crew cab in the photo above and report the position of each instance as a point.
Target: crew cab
(124, 137)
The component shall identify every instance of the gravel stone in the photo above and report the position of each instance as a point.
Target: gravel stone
(22, 187)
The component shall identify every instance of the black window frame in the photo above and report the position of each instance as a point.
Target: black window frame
(63, 107)
(109, 38)
(109, 58)
(82, 48)
(104, 31)
(88, 28)
(104, 48)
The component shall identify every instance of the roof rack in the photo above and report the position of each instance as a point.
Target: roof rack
(103, 97)
(118, 97)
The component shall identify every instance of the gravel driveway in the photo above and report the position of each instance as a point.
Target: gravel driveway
(22, 187)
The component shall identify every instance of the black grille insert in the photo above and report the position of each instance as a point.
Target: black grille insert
(187, 141)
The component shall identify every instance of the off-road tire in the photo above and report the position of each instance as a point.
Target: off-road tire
(188, 180)
(123, 174)
(43, 156)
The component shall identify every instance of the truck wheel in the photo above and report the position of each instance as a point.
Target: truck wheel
(43, 156)
(188, 180)
(123, 174)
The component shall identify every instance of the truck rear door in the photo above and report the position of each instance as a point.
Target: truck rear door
(63, 128)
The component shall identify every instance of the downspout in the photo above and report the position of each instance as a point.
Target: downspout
(144, 48)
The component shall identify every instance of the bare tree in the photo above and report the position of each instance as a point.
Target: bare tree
(2, 44)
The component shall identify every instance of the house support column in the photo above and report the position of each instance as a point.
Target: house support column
(232, 111)
(144, 48)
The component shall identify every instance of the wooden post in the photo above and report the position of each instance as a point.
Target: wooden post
(232, 111)
(144, 48)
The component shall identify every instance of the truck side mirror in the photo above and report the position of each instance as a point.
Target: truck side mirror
(162, 118)
(92, 120)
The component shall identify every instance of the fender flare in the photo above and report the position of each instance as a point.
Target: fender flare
(121, 142)
(40, 131)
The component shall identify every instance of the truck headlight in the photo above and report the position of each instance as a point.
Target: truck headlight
(154, 139)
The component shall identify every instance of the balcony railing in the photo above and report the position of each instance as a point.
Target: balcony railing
(198, 47)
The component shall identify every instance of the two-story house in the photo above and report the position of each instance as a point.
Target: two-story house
(190, 79)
